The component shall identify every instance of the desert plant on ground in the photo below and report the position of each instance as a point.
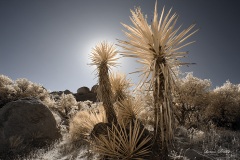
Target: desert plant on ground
(7, 91)
(50, 102)
(124, 143)
(21, 88)
(104, 56)
(66, 103)
(224, 107)
(84, 121)
(190, 99)
(26, 88)
(5, 80)
(222, 143)
(157, 46)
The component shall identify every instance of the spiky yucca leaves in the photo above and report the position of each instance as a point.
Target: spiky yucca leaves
(124, 143)
(84, 121)
(120, 85)
(104, 56)
(104, 53)
(158, 48)
(128, 109)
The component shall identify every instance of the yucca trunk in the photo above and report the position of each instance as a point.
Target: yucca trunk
(106, 95)
(160, 144)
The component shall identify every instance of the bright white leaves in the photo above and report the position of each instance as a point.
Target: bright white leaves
(104, 53)
(158, 40)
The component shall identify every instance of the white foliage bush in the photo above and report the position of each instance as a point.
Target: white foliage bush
(26, 88)
(143, 93)
(224, 107)
(21, 88)
(6, 88)
(5, 80)
(68, 104)
(50, 102)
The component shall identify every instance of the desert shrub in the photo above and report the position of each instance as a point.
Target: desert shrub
(143, 92)
(66, 104)
(21, 88)
(87, 105)
(5, 80)
(25, 88)
(7, 91)
(84, 121)
(222, 142)
(124, 142)
(190, 100)
(224, 108)
(50, 102)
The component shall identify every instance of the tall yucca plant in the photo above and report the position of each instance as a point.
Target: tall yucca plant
(157, 47)
(104, 57)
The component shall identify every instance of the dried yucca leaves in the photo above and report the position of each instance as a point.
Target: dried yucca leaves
(124, 142)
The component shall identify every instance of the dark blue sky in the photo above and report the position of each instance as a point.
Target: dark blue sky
(49, 41)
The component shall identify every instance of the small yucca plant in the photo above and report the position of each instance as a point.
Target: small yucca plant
(128, 109)
(120, 85)
(158, 48)
(104, 56)
(124, 143)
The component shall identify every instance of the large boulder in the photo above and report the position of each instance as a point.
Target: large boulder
(84, 97)
(83, 90)
(94, 88)
(26, 123)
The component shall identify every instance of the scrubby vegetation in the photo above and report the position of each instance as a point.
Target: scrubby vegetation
(202, 129)
(140, 123)
(21, 88)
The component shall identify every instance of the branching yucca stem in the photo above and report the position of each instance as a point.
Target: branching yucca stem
(158, 47)
(160, 149)
(106, 93)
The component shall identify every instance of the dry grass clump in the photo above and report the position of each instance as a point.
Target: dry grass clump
(84, 121)
(120, 85)
(123, 142)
